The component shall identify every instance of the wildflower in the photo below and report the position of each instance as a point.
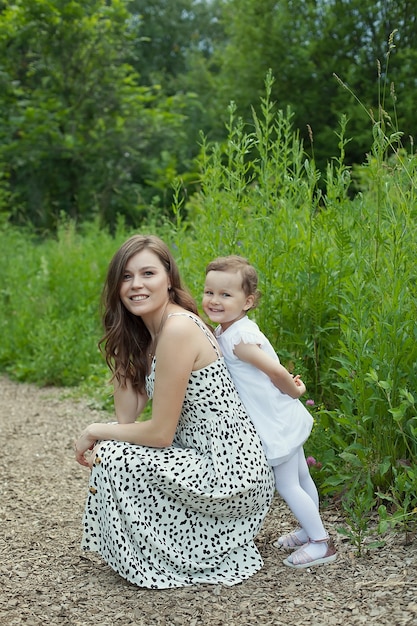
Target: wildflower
(310, 402)
(311, 462)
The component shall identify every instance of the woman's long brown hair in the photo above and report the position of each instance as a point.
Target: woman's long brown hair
(126, 340)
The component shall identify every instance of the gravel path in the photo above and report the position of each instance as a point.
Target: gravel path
(45, 579)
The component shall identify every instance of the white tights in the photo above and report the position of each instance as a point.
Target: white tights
(295, 485)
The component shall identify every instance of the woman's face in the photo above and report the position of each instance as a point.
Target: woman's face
(145, 283)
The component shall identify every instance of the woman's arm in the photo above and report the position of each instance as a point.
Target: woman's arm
(175, 357)
(128, 403)
(279, 375)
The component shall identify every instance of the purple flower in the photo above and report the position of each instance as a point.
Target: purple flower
(310, 402)
(311, 461)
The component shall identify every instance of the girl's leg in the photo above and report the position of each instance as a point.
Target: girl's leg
(302, 505)
(306, 482)
(309, 486)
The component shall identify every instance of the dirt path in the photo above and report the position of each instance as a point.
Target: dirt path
(45, 579)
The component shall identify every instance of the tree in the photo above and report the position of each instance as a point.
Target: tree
(78, 134)
(173, 44)
(166, 34)
(306, 42)
(370, 46)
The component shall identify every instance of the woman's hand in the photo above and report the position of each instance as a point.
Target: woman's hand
(85, 442)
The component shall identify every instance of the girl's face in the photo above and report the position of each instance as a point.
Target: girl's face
(145, 283)
(224, 300)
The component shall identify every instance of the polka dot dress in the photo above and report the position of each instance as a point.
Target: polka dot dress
(187, 514)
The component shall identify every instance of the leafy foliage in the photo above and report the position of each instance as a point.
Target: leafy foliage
(306, 42)
(101, 103)
(76, 126)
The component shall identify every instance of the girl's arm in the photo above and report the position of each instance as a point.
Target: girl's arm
(175, 357)
(279, 375)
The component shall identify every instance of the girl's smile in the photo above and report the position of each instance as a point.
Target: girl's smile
(224, 300)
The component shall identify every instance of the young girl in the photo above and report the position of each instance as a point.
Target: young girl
(270, 395)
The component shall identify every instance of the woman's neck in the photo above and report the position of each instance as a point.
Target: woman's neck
(155, 323)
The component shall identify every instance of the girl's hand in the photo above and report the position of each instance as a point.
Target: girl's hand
(85, 442)
(301, 386)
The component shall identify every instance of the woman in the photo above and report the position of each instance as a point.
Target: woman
(178, 499)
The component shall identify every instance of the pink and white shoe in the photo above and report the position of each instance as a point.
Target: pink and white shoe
(301, 559)
(291, 541)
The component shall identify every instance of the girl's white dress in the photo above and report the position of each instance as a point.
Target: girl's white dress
(283, 423)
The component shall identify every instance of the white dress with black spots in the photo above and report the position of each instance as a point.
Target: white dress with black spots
(186, 514)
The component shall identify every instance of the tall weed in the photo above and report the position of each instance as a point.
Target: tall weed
(373, 422)
(259, 199)
(50, 304)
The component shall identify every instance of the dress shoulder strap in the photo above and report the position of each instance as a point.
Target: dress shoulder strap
(203, 327)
